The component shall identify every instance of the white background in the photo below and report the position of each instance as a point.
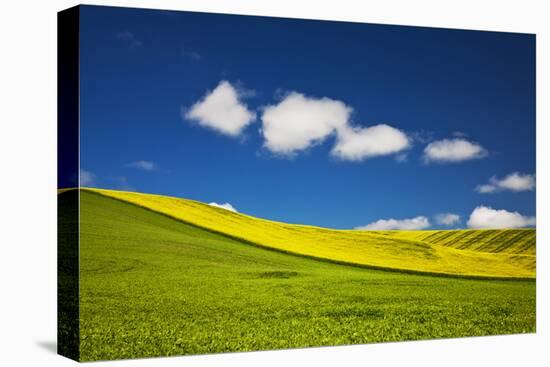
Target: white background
(28, 182)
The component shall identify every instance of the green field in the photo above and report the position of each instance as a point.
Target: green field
(151, 285)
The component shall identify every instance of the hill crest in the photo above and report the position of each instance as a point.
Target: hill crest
(508, 254)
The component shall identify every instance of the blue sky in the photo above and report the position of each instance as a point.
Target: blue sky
(325, 123)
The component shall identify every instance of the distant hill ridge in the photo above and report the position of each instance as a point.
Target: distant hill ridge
(499, 254)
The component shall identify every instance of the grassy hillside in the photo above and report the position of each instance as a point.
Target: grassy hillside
(154, 286)
(421, 251)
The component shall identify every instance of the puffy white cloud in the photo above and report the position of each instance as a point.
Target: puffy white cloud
(419, 222)
(513, 182)
(453, 150)
(356, 144)
(144, 165)
(447, 219)
(222, 111)
(225, 206)
(299, 122)
(86, 178)
(487, 217)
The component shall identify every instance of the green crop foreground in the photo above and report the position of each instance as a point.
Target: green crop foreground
(154, 286)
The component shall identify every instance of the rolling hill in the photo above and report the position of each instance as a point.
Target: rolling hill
(469, 253)
(151, 285)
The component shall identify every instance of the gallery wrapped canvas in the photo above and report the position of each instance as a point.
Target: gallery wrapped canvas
(236, 183)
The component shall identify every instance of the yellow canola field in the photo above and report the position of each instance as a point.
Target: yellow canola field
(494, 254)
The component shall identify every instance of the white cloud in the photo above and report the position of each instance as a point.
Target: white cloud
(144, 165)
(487, 217)
(447, 219)
(453, 150)
(356, 144)
(225, 206)
(86, 178)
(299, 122)
(222, 111)
(419, 222)
(513, 182)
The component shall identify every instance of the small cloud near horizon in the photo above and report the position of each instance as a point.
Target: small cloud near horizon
(225, 206)
(485, 217)
(420, 222)
(447, 219)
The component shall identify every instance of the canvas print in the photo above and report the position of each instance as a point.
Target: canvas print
(238, 183)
